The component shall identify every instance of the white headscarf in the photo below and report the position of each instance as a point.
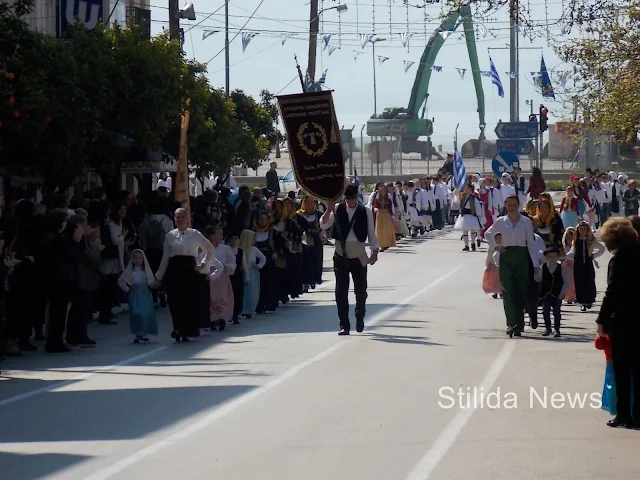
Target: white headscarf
(127, 275)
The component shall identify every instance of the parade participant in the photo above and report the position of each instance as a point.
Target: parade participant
(253, 261)
(570, 209)
(548, 223)
(268, 300)
(353, 225)
(517, 249)
(292, 233)
(414, 205)
(308, 219)
(507, 186)
(618, 317)
(385, 232)
(221, 295)
(484, 194)
(137, 279)
(567, 243)
(237, 275)
(553, 285)
(521, 185)
(584, 251)
(536, 183)
(428, 204)
(398, 202)
(471, 219)
(179, 254)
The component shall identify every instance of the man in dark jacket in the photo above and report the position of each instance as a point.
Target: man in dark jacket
(273, 184)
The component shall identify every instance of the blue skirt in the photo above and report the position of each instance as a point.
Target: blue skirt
(569, 218)
(609, 396)
(251, 292)
(142, 313)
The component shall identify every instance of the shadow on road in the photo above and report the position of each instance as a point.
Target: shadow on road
(19, 466)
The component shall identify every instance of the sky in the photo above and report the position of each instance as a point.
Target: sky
(268, 64)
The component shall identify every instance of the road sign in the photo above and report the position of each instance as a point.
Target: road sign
(517, 130)
(519, 146)
(504, 162)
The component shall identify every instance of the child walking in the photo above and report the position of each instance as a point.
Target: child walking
(570, 209)
(137, 279)
(491, 277)
(583, 254)
(554, 283)
(253, 261)
(567, 243)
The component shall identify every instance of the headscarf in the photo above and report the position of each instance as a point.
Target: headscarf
(127, 275)
(591, 239)
(302, 210)
(550, 216)
(531, 207)
(289, 210)
(257, 228)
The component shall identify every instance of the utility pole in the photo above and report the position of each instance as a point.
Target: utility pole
(226, 46)
(514, 62)
(174, 20)
(314, 27)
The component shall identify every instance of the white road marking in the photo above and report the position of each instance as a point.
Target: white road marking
(426, 466)
(224, 410)
(78, 378)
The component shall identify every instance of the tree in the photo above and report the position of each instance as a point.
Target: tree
(257, 122)
(606, 67)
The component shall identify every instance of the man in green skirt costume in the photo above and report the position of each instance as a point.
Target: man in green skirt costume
(517, 248)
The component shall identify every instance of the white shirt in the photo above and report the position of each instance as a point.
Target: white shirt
(507, 190)
(373, 240)
(186, 243)
(597, 250)
(226, 257)
(520, 235)
(541, 247)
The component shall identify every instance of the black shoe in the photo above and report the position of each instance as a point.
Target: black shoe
(517, 333)
(479, 242)
(343, 332)
(533, 323)
(557, 334)
(634, 424)
(221, 325)
(546, 333)
(237, 322)
(26, 346)
(137, 340)
(473, 247)
(583, 308)
(619, 422)
(175, 335)
(495, 295)
(465, 249)
(510, 331)
(359, 326)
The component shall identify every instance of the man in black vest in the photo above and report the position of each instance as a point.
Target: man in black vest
(353, 224)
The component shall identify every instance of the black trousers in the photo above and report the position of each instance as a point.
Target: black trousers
(549, 304)
(108, 296)
(79, 315)
(625, 350)
(342, 268)
(533, 299)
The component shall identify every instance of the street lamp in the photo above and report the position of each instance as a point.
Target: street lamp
(314, 27)
(375, 97)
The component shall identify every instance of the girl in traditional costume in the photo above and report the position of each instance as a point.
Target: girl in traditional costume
(221, 297)
(583, 253)
(279, 245)
(312, 251)
(484, 194)
(253, 260)
(382, 208)
(570, 209)
(137, 280)
(268, 300)
(567, 243)
(293, 235)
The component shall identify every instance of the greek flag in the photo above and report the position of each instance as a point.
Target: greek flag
(459, 172)
(495, 78)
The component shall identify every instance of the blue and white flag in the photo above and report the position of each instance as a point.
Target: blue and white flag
(407, 65)
(323, 78)
(355, 54)
(405, 37)
(366, 38)
(332, 49)
(461, 71)
(545, 81)
(207, 33)
(459, 172)
(495, 78)
(285, 36)
(382, 59)
(326, 39)
(246, 38)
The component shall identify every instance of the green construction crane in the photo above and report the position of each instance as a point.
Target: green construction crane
(408, 123)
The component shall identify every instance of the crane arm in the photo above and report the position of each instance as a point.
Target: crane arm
(473, 60)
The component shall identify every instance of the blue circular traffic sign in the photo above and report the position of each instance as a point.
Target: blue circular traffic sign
(504, 162)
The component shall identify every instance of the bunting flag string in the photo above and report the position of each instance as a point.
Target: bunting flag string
(536, 78)
(382, 59)
(482, 31)
(246, 38)
(332, 49)
(286, 36)
(208, 33)
(512, 74)
(366, 38)
(462, 71)
(326, 38)
(355, 54)
(436, 68)
(407, 65)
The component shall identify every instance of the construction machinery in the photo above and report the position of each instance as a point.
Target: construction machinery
(407, 125)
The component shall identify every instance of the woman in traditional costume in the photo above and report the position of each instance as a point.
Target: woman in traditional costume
(254, 260)
(221, 297)
(308, 219)
(383, 209)
(548, 223)
(268, 301)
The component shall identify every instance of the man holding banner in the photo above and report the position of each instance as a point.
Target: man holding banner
(353, 225)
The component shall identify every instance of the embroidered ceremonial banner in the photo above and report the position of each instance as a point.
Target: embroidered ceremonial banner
(315, 147)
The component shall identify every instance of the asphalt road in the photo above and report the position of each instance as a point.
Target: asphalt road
(283, 397)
